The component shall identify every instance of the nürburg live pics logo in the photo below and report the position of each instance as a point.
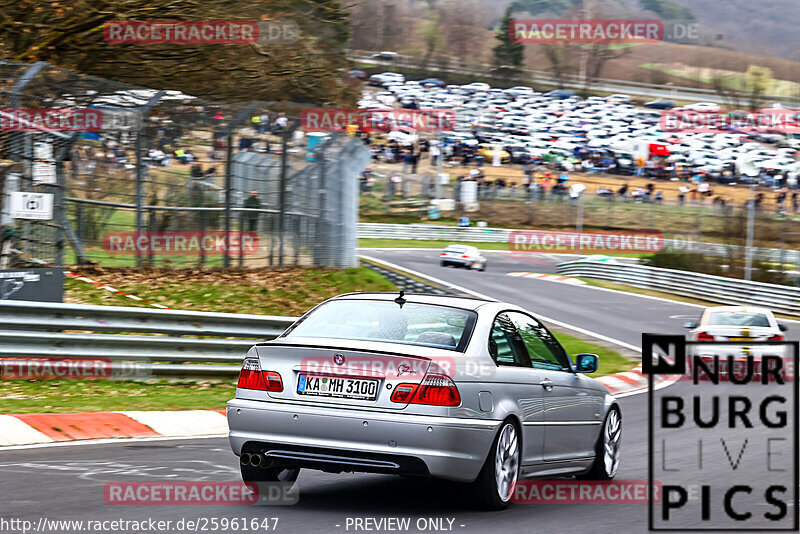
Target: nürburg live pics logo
(723, 439)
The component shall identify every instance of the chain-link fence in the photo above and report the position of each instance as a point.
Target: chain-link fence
(401, 197)
(143, 177)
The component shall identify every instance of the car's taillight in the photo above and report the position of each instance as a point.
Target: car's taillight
(702, 336)
(443, 254)
(252, 377)
(776, 337)
(273, 380)
(403, 393)
(465, 256)
(435, 389)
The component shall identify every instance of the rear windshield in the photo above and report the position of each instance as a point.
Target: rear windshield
(455, 248)
(737, 319)
(441, 327)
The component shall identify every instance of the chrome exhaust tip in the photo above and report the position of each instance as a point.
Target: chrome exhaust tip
(256, 460)
(244, 459)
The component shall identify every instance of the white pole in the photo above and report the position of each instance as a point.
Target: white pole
(439, 165)
(751, 211)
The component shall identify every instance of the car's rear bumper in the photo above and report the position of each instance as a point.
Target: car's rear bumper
(361, 440)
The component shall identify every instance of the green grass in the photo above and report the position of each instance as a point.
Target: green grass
(47, 396)
(279, 292)
(58, 396)
(611, 361)
(266, 292)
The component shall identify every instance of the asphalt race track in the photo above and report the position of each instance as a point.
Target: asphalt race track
(67, 482)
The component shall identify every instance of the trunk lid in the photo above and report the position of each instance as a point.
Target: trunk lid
(740, 333)
(347, 373)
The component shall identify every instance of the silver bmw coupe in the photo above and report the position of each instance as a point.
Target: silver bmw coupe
(469, 390)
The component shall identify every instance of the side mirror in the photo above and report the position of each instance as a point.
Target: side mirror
(586, 363)
(783, 327)
(690, 324)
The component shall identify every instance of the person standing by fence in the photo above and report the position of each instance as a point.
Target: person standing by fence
(252, 203)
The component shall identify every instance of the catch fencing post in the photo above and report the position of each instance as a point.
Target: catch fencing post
(237, 120)
(140, 147)
(289, 130)
(242, 215)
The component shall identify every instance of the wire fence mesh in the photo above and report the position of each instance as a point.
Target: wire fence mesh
(159, 178)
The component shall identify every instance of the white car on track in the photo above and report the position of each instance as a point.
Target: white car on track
(462, 256)
(739, 325)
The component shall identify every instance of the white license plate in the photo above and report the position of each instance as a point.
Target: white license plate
(330, 386)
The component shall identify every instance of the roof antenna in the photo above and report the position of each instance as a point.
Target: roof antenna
(400, 300)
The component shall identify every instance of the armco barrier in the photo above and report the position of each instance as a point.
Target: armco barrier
(432, 232)
(780, 298)
(36, 330)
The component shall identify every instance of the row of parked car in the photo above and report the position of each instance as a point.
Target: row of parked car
(558, 124)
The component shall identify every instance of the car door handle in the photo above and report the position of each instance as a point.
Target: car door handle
(547, 384)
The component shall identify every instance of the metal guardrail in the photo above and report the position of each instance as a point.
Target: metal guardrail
(32, 330)
(432, 232)
(703, 286)
(58, 316)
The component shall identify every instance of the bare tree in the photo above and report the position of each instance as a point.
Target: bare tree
(560, 60)
(70, 34)
(461, 22)
(597, 55)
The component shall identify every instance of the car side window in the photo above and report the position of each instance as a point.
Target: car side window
(505, 344)
(544, 350)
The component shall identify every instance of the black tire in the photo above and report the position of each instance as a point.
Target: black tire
(603, 467)
(443, 263)
(483, 268)
(486, 487)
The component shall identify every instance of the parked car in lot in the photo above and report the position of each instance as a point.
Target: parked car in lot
(703, 106)
(560, 94)
(385, 55)
(619, 99)
(432, 82)
(462, 256)
(386, 77)
(469, 390)
(660, 103)
(359, 74)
